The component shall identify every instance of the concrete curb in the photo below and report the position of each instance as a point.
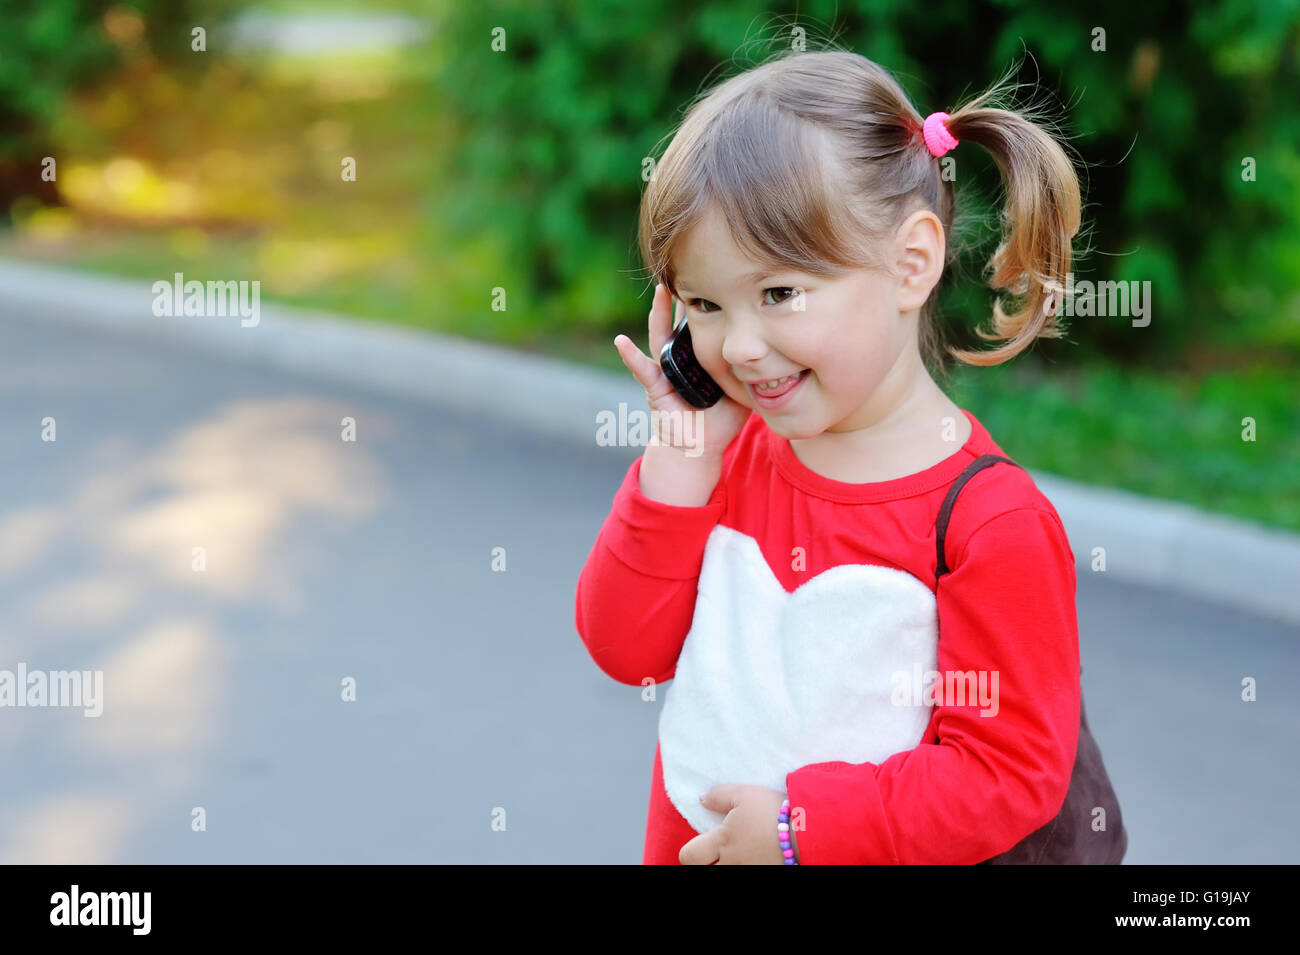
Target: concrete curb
(1146, 540)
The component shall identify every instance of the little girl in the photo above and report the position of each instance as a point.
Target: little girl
(782, 569)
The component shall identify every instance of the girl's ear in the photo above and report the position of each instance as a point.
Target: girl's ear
(920, 254)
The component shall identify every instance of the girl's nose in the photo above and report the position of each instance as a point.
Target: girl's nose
(742, 346)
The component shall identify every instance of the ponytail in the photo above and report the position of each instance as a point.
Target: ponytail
(1039, 220)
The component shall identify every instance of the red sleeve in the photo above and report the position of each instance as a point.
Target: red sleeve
(1007, 606)
(636, 592)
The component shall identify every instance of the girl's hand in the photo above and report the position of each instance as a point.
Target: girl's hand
(747, 836)
(679, 424)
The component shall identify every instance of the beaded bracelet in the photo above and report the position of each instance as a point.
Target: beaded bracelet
(783, 833)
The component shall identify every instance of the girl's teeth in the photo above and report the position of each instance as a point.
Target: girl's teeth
(772, 386)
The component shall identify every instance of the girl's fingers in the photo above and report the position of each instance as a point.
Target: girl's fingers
(645, 369)
(635, 361)
(661, 318)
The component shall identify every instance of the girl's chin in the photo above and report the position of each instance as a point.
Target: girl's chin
(788, 427)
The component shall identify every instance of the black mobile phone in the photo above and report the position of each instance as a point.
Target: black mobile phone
(685, 372)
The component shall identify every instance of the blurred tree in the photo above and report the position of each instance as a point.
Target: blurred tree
(50, 49)
(556, 126)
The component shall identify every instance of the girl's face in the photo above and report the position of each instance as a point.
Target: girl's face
(846, 332)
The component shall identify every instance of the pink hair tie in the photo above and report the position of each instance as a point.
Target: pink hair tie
(937, 138)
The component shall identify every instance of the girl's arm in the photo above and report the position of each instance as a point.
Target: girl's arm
(1007, 608)
(636, 593)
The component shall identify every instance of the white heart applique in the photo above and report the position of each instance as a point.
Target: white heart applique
(769, 681)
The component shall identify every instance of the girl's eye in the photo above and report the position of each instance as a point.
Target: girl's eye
(699, 303)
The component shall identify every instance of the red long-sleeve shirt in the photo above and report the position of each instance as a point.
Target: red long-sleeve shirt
(799, 620)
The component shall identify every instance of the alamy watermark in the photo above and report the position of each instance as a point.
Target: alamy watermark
(180, 297)
(129, 909)
(1101, 299)
(949, 688)
(637, 429)
(83, 688)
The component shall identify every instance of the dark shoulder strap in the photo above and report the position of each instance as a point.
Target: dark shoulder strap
(941, 523)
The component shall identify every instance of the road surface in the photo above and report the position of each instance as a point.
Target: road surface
(481, 731)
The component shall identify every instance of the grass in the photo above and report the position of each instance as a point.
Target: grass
(1177, 435)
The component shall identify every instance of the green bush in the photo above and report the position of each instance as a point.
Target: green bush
(54, 48)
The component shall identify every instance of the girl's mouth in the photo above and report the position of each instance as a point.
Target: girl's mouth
(778, 397)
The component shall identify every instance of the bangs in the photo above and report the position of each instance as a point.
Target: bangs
(771, 177)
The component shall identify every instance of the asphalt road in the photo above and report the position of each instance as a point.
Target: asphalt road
(481, 730)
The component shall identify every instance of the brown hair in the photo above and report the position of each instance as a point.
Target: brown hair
(813, 157)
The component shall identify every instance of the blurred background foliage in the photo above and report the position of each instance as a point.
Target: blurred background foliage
(521, 169)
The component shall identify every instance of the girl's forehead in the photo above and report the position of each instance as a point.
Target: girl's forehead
(717, 256)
